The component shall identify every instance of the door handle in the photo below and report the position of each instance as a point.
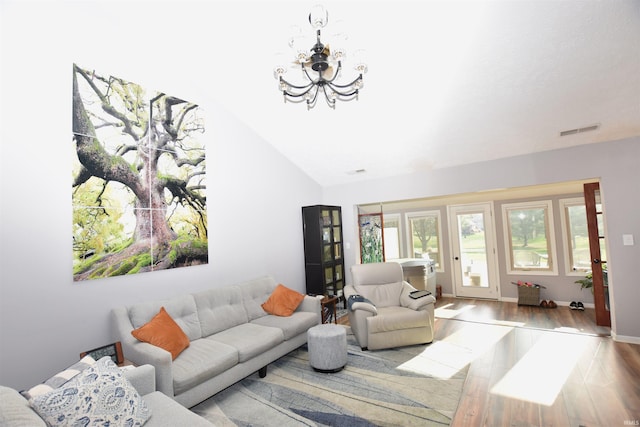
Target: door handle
(596, 261)
(456, 258)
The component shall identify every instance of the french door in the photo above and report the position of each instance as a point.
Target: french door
(473, 246)
(595, 227)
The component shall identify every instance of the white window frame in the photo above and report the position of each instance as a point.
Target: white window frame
(564, 204)
(409, 244)
(550, 234)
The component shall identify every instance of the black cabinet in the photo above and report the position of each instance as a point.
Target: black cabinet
(323, 254)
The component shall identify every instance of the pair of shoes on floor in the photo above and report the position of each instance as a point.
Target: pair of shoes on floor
(576, 306)
(548, 304)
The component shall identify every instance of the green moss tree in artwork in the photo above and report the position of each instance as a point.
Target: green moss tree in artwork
(139, 187)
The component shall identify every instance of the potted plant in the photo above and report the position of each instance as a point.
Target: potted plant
(587, 282)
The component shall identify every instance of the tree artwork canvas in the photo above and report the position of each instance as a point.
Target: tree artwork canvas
(139, 189)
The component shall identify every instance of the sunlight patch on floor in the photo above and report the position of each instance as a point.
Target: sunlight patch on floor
(503, 323)
(569, 330)
(445, 312)
(539, 376)
(445, 358)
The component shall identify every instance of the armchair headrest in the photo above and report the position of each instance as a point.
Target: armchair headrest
(376, 274)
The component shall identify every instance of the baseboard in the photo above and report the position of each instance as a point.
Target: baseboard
(560, 303)
(625, 338)
(515, 300)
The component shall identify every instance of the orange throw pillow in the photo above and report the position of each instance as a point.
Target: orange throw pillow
(283, 301)
(162, 331)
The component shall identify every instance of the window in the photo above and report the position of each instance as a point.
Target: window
(529, 238)
(424, 236)
(575, 236)
(391, 236)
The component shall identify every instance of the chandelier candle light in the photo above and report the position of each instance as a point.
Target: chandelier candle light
(320, 67)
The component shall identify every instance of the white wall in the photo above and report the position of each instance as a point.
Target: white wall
(254, 194)
(613, 163)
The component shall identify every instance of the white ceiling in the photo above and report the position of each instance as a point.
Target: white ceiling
(449, 82)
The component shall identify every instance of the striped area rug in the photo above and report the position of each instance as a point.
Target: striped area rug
(377, 388)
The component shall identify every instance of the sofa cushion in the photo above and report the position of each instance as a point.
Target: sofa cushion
(203, 360)
(396, 318)
(255, 293)
(220, 309)
(182, 309)
(282, 301)
(15, 410)
(291, 326)
(249, 339)
(99, 395)
(162, 331)
(59, 379)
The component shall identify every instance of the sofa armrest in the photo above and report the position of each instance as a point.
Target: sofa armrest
(366, 305)
(312, 305)
(15, 410)
(414, 304)
(143, 378)
(142, 353)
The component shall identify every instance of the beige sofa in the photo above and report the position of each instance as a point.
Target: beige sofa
(16, 412)
(230, 335)
(388, 317)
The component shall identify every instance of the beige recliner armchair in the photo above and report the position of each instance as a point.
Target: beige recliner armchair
(388, 317)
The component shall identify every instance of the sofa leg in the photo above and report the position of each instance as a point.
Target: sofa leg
(262, 372)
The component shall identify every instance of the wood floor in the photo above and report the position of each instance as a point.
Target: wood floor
(541, 367)
(530, 366)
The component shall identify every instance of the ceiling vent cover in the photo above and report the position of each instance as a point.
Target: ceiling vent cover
(580, 130)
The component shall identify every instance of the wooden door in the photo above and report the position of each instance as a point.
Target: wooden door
(595, 225)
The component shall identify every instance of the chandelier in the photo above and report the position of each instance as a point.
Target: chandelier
(321, 68)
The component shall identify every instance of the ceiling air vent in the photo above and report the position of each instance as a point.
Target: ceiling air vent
(357, 171)
(579, 130)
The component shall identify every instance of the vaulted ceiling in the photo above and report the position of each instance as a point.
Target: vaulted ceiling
(450, 82)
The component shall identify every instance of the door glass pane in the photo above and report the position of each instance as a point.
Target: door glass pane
(326, 255)
(328, 275)
(326, 234)
(336, 217)
(603, 252)
(600, 225)
(326, 218)
(473, 250)
(338, 272)
(337, 251)
(336, 234)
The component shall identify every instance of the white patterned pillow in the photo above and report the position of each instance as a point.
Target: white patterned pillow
(98, 396)
(59, 379)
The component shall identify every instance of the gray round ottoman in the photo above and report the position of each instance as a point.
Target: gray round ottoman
(327, 345)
